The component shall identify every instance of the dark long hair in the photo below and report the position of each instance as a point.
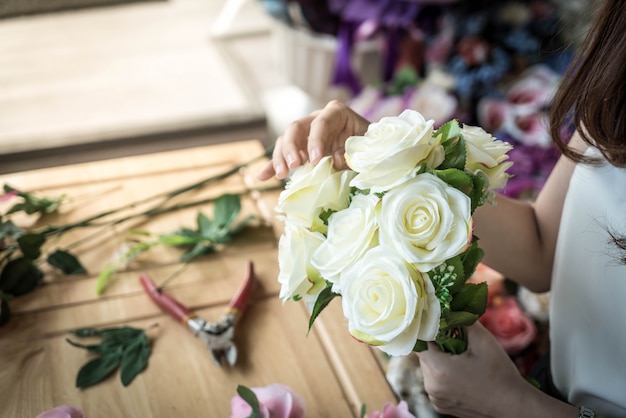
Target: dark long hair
(593, 92)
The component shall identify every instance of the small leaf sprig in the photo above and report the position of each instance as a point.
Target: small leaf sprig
(210, 234)
(126, 348)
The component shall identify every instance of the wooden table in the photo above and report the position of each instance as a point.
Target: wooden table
(331, 371)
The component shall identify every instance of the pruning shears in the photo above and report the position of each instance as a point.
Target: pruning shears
(217, 336)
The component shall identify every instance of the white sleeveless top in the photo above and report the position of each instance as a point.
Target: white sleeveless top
(588, 308)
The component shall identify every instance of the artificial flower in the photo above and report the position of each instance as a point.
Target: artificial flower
(486, 155)
(63, 411)
(313, 190)
(351, 232)
(275, 401)
(401, 251)
(388, 303)
(426, 221)
(391, 149)
(297, 276)
(391, 410)
(508, 323)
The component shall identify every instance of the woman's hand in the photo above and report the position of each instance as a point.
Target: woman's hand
(482, 382)
(322, 133)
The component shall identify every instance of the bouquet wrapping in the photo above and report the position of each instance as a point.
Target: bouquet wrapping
(393, 234)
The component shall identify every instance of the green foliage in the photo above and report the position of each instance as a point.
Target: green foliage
(65, 262)
(209, 233)
(125, 348)
(32, 204)
(462, 303)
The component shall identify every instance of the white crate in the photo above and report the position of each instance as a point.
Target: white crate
(308, 61)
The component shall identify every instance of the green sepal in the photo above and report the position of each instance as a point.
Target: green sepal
(66, 262)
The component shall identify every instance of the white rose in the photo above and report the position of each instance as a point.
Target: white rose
(388, 303)
(426, 221)
(351, 232)
(297, 277)
(391, 149)
(312, 190)
(486, 154)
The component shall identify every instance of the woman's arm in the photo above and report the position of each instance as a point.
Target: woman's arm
(519, 238)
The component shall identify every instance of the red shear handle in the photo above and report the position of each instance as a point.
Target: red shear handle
(242, 298)
(164, 301)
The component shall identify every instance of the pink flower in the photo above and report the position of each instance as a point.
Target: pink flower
(534, 90)
(494, 280)
(505, 319)
(493, 114)
(531, 129)
(63, 411)
(275, 401)
(392, 411)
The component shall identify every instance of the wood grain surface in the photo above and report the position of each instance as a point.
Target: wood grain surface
(332, 372)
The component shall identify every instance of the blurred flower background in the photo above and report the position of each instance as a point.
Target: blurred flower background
(493, 64)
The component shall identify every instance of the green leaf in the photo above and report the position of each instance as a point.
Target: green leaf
(98, 369)
(66, 262)
(460, 319)
(323, 299)
(119, 333)
(472, 298)
(471, 257)
(198, 250)
(226, 210)
(478, 195)
(456, 178)
(205, 225)
(30, 244)
(177, 240)
(95, 348)
(20, 276)
(453, 145)
(363, 411)
(134, 358)
(126, 347)
(250, 398)
(455, 341)
(420, 346)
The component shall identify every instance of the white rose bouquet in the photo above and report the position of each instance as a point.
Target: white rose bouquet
(393, 234)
